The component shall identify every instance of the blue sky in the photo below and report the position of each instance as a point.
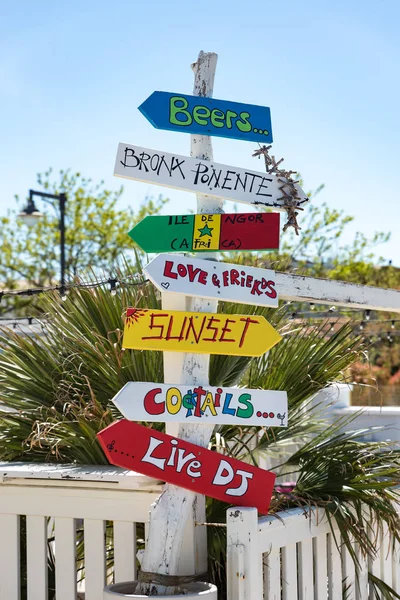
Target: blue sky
(72, 75)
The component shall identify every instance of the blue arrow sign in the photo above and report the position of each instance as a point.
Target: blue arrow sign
(208, 116)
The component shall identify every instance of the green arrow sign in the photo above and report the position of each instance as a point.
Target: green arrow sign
(207, 232)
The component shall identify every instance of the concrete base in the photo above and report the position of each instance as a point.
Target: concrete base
(191, 591)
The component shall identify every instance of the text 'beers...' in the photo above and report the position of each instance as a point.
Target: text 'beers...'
(208, 116)
(202, 115)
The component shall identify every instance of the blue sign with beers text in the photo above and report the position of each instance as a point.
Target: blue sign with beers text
(208, 116)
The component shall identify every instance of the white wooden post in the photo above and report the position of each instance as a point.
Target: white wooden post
(243, 555)
(174, 514)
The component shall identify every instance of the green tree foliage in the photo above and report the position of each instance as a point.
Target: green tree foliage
(96, 234)
(320, 251)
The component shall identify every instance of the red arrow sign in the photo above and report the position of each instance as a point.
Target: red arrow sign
(181, 463)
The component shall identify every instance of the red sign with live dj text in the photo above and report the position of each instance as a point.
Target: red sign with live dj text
(181, 463)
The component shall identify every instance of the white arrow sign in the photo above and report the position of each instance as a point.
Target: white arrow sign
(211, 279)
(163, 403)
(201, 176)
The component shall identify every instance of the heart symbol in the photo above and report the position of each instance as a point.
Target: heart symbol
(165, 285)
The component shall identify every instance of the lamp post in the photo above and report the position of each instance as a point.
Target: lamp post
(30, 215)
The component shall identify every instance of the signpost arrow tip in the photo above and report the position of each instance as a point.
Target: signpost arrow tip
(148, 108)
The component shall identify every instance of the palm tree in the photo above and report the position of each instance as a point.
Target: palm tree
(61, 383)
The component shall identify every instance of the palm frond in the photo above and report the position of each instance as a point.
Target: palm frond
(230, 370)
(380, 589)
(60, 383)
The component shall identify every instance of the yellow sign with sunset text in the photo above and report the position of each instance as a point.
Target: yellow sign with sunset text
(210, 333)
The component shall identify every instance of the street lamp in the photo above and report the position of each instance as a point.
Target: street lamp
(30, 215)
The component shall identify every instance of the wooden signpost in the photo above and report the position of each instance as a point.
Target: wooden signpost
(211, 279)
(202, 176)
(186, 465)
(176, 331)
(208, 116)
(163, 403)
(207, 232)
(188, 328)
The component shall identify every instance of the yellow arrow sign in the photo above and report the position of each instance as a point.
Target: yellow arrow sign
(238, 335)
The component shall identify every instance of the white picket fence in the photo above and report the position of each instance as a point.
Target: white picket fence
(41, 500)
(294, 556)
